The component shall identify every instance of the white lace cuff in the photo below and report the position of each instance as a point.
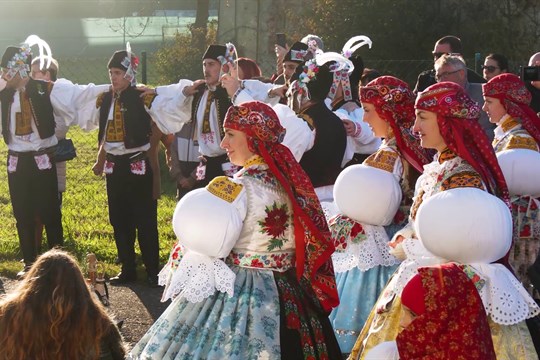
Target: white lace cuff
(367, 253)
(198, 277)
(504, 298)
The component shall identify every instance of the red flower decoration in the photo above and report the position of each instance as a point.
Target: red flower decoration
(525, 232)
(256, 263)
(276, 221)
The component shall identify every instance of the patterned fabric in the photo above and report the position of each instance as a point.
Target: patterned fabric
(515, 98)
(115, 127)
(394, 102)
(526, 237)
(510, 134)
(242, 326)
(457, 116)
(447, 172)
(23, 120)
(274, 261)
(313, 243)
(344, 229)
(224, 188)
(454, 324)
(521, 142)
(383, 159)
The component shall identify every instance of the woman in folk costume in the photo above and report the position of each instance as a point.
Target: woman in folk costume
(470, 229)
(368, 197)
(447, 121)
(445, 317)
(516, 143)
(274, 300)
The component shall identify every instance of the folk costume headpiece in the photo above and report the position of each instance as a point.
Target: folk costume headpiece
(127, 61)
(454, 324)
(316, 76)
(515, 98)
(313, 245)
(297, 53)
(18, 59)
(349, 79)
(457, 117)
(394, 102)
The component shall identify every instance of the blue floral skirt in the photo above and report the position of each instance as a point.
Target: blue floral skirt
(270, 316)
(358, 292)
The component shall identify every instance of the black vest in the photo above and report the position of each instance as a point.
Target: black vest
(322, 162)
(137, 122)
(223, 102)
(38, 93)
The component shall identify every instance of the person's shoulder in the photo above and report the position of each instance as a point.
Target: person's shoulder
(474, 77)
(225, 188)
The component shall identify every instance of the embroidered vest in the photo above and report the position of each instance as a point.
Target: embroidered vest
(137, 122)
(322, 162)
(222, 100)
(38, 95)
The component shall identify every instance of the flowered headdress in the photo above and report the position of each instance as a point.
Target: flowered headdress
(18, 59)
(308, 76)
(312, 237)
(454, 324)
(229, 56)
(394, 102)
(457, 116)
(342, 76)
(297, 53)
(515, 97)
(127, 61)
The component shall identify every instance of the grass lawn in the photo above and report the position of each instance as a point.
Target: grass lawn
(84, 211)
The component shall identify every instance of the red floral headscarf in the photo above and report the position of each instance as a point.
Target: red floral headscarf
(454, 324)
(457, 116)
(515, 98)
(394, 102)
(312, 237)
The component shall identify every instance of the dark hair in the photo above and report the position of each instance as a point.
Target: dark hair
(52, 69)
(501, 60)
(356, 75)
(453, 41)
(368, 75)
(52, 314)
(249, 67)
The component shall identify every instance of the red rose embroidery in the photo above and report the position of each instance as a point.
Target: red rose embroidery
(256, 263)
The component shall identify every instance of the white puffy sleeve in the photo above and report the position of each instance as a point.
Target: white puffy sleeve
(207, 223)
(258, 90)
(298, 137)
(76, 104)
(171, 109)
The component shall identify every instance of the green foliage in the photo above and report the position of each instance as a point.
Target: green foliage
(181, 58)
(408, 29)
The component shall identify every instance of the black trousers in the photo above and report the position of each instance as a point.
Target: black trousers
(133, 212)
(34, 194)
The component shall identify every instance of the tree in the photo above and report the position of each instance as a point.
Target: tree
(178, 59)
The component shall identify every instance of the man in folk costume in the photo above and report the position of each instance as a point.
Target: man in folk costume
(28, 129)
(125, 128)
(202, 106)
